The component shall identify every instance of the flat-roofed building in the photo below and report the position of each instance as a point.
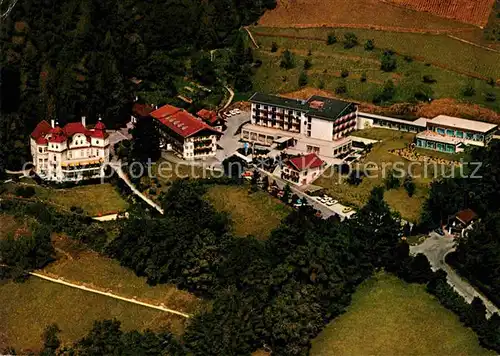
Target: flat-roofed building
(467, 131)
(324, 122)
(452, 134)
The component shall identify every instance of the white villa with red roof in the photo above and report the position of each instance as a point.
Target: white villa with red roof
(302, 170)
(188, 136)
(71, 153)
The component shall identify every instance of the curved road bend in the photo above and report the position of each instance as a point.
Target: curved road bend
(436, 247)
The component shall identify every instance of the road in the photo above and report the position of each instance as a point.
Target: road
(325, 210)
(229, 141)
(436, 247)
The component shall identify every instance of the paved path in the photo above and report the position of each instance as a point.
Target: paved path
(251, 37)
(230, 99)
(108, 294)
(436, 247)
(118, 169)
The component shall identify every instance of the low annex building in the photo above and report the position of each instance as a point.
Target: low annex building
(451, 134)
(187, 136)
(441, 133)
(302, 170)
(319, 124)
(72, 153)
(211, 118)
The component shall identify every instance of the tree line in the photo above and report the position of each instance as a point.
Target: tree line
(64, 59)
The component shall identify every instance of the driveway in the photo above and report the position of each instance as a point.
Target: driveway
(436, 247)
(229, 141)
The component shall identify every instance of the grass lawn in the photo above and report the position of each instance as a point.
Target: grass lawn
(390, 317)
(27, 308)
(78, 264)
(357, 196)
(166, 172)
(448, 69)
(254, 214)
(94, 199)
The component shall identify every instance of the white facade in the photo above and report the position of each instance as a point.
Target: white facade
(199, 147)
(319, 125)
(71, 154)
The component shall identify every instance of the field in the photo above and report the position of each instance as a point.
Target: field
(254, 214)
(390, 317)
(474, 12)
(93, 199)
(27, 308)
(356, 13)
(458, 64)
(357, 196)
(77, 264)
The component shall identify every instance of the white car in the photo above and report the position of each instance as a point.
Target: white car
(334, 202)
(229, 114)
(329, 203)
(237, 111)
(321, 200)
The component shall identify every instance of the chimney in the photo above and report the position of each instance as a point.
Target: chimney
(53, 123)
(84, 121)
(156, 107)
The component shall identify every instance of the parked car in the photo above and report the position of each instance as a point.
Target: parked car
(439, 231)
(346, 209)
(237, 111)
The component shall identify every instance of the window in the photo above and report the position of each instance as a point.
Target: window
(97, 141)
(40, 150)
(55, 158)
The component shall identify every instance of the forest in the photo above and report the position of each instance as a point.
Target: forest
(478, 253)
(65, 59)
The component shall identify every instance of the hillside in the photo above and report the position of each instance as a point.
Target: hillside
(357, 14)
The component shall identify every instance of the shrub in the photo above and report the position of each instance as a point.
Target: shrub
(344, 73)
(350, 40)
(76, 210)
(363, 77)
(321, 84)
(490, 96)
(468, 90)
(491, 82)
(331, 38)
(370, 45)
(429, 79)
(408, 59)
(152, 191)
(309, 53)
(388, 62)
(307, 64)
(341, 88)
(287, 60)
(25, 192)
(257, 63)
(303, 79)
(274, 47)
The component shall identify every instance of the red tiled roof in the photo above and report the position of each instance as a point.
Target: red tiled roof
(41, 140)
(306, 162)
(207, 115)
(466, 216)
(41, 129)
(164, 111)
(141, 110)
(180, 121)
(75, 127)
